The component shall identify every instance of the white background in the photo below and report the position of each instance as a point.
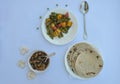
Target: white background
(18, 22)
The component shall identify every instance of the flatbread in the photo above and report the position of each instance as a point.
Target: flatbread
(72, 56)
(88, 64)
(74, 52)
(84, 60)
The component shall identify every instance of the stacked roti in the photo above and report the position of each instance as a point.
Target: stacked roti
(84, 60)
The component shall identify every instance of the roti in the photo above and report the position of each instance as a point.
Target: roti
(84, 60)
(88, 64)
(72, 56)
(74, 52)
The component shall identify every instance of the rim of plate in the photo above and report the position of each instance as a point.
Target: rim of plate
(68, 69)
(67, 37)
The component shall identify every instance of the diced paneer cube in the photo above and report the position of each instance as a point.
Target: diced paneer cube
(57, 32)
(48, 20)
(59, 16)
(52, 25)
(69, 23)
(63, 24)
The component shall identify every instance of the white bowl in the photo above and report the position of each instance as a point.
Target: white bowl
(31, 68)
(68, 67)
(67, 37)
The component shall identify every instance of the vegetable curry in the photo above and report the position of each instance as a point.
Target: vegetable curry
(58, 24)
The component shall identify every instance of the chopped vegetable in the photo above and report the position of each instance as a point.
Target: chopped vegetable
(59, 16)
(48, 20)
(63, 24)
(58, 24)
(69, 23)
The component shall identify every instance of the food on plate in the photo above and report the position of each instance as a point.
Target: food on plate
(58, 24)
(84, 61)
(39, 61)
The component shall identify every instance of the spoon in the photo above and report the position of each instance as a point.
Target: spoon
(84, 9)
(48, 56)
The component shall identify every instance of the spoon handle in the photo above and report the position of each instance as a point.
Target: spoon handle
(52, 54)
(85, 32)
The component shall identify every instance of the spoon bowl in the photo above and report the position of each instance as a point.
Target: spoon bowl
(84, 9)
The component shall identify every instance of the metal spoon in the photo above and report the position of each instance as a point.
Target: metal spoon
(48, 56)
(84, 9)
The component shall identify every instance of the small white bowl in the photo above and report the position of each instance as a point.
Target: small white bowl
(30, 66)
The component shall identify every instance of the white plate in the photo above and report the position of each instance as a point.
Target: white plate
(67, 65)
(67, 37)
